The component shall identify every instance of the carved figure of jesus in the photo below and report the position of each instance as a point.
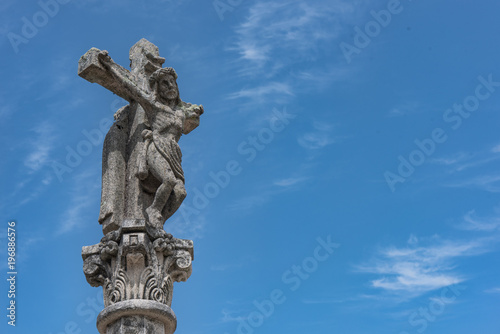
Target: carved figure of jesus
(169, 117)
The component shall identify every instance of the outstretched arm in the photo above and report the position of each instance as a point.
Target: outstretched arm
(135, 92)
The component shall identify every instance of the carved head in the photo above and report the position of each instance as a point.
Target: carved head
(163, 83)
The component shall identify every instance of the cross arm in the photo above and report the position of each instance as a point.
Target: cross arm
(113, 77)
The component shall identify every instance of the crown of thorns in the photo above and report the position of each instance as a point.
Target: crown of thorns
(160, 73)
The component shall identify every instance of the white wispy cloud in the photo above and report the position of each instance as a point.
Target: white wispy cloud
(34, 192)
(25, 246)
(282, 41)
(84, 194)
(473, 170)
(291, 181)
(73, 216)
(451, 159)
(185, 223)
(249, 202)
(292, 28)
(476, 163)
(463, 161)
(473, 223)
(328, 301)
(496, 149)
(493, 290)
(260, 92)
(61, 79)
(319, 79)
(266, 193)
(229, 316)
(320, 137)
(404, 109)
(40, 146)
(416, 269)
(490, 183)
(314, 140)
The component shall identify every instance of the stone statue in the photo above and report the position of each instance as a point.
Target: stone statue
(142, 172)
(136, 261)
(169, 118)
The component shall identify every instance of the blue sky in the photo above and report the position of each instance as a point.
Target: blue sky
(366, 198)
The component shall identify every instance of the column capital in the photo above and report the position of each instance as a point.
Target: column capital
(137, 262)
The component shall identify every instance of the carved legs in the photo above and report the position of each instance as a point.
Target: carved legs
(171, 192)
(161, 198)
(176, 198)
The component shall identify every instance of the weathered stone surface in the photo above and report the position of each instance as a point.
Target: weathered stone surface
(137, 262)
(142, 173)
(137, 316)
(114, 171)
(91, 69)
(134, 263)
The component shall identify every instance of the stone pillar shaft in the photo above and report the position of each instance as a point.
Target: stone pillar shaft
(136, 267)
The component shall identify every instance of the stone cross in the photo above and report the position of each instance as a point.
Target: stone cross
(136, 261)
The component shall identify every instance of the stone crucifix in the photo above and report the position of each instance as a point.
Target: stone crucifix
(136, 261)
(142, 172)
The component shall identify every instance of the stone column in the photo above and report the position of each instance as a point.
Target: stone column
(137, 266)
(137, 262)
(137, 316)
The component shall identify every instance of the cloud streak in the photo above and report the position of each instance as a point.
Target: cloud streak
(290, 181)
(415, 269)
(490, 183)
(277, 34)
(84, 195)
(474, 223)
(320, 137)
(40, 147)
(272, 88)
